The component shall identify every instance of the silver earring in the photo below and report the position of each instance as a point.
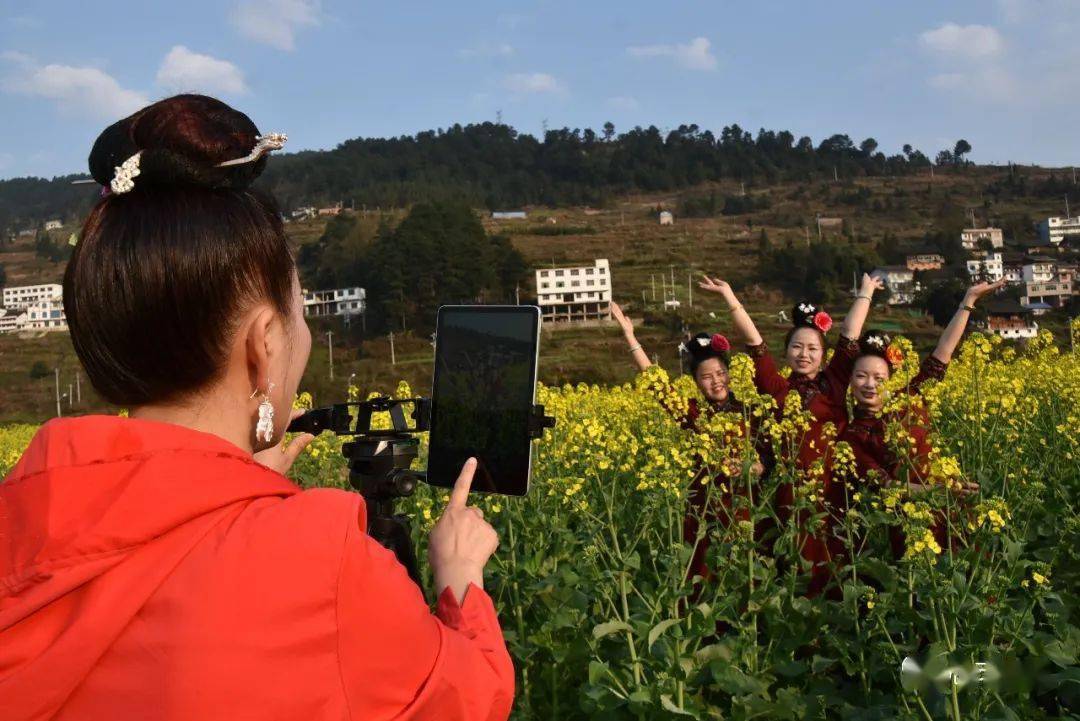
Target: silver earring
(264, 429)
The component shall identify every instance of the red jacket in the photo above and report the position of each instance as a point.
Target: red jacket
(150, 571)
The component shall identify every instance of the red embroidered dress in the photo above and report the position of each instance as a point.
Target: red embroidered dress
(824, 396)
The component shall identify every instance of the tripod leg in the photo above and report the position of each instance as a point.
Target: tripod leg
(393, 533)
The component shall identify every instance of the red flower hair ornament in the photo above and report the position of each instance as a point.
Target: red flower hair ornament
(822, 321)
(894, 356)
(720, 344)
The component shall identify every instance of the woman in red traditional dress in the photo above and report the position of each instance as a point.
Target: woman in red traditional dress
(865, 433)
(822, 391)
(709, 361)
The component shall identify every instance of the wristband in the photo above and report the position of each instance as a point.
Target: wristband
(867, 297)
(735, 309)
(635, 348)
(968, 308)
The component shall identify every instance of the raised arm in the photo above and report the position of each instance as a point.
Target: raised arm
(744, 324)
(954, 331)
(636, 351)
(856, 317)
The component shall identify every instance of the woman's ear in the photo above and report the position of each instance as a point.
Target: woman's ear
(258, 343)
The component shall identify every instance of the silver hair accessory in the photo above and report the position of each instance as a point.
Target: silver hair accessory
(264, 429)
(124, 175)
(263, 145)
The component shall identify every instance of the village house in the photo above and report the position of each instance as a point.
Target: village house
(925, 260)
(1039, 269)
(970, 237)
(666, 218)
(1009, 319)
(53, 225)
(336, 301)
(1053, 293)
(23, 296)
(509, 215)
(900, 280)
(575, 293)
(1054, 230)
(990, 268)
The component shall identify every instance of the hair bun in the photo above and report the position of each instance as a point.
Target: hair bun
(704, 346)
(182, 140)
(810, 315)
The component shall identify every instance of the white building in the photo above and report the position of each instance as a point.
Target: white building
(580, 293)
(10, 320)
(1055, 230)
(1013, 273)
(989, 268)
(509, 215)
(24, 296)
(1009, 319)
(337, 301)
(900, 280)
(1039, 270)
(666, 218)
(970, 237)
(44, 315)
(53, 225)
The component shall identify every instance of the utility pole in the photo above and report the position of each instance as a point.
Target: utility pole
(642, 297)
(1066, 206)
(807, 229)
(78, 388)
(690, 289)
(663, 286)
(652, 279)
(330, 342)
(69, 395)
(672, 282)
(972, 211)
(393, 358)
(56, 375)
(517, 294)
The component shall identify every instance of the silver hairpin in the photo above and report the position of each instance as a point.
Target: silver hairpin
(263, 145)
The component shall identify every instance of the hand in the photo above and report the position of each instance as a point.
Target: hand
(281, 457)
(720, 287)
(461, 542)
(625, 323)
(870, 283)
(980, 289)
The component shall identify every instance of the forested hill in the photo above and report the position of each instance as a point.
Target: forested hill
(493, 165)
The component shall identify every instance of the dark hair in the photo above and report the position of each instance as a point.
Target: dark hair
(803, 315)
(161, 273)
(697, 352)
(875, 343)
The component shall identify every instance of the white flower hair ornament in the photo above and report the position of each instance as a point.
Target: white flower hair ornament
(124, 175)
(876, 341)
(263, 145)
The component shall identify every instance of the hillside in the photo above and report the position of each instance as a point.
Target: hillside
(640, 251)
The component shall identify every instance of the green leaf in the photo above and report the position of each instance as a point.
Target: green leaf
(606, 629)
(598, 671)
(659, 629)
(820, 663)
(669, 705)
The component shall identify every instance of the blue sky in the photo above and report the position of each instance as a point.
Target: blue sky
(1000, 73)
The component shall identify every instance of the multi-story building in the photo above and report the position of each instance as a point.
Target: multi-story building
(1039, 269)
(970, 237)
(23, 296)
(46, 314)
(925, 261)
(1009, 319)
(9, 320)
(53, 225)
(1054, 230)
(338, 301)
(580, 293)
(989, 268)
(900, 280)
(1054, 293)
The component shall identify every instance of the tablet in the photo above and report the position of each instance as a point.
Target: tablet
(482, 396)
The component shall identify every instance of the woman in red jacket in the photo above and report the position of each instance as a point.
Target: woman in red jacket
(709, 361)
(822, 391)
(161, 566)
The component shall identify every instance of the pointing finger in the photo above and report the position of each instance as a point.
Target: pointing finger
(460, 495)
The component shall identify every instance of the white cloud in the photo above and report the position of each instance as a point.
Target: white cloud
(487, 50)
(184, 70)
(623, 102)
(972, 42)
(82, 91)
(694, 55)
(275, 22)
(532, 83)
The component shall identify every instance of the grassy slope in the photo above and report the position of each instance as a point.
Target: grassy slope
(626, 234)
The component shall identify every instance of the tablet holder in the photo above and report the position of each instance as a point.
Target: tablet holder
(380, 460)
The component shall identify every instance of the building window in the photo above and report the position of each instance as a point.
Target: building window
(560, 284)
(576, 283)
(575, 271)
(558, 273)
(589, 271)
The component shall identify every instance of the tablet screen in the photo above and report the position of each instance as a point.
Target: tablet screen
(482, 396)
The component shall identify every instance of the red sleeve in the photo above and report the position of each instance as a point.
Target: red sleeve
(840, 367)
(766, 378)
(398, 660)
(930, 369)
